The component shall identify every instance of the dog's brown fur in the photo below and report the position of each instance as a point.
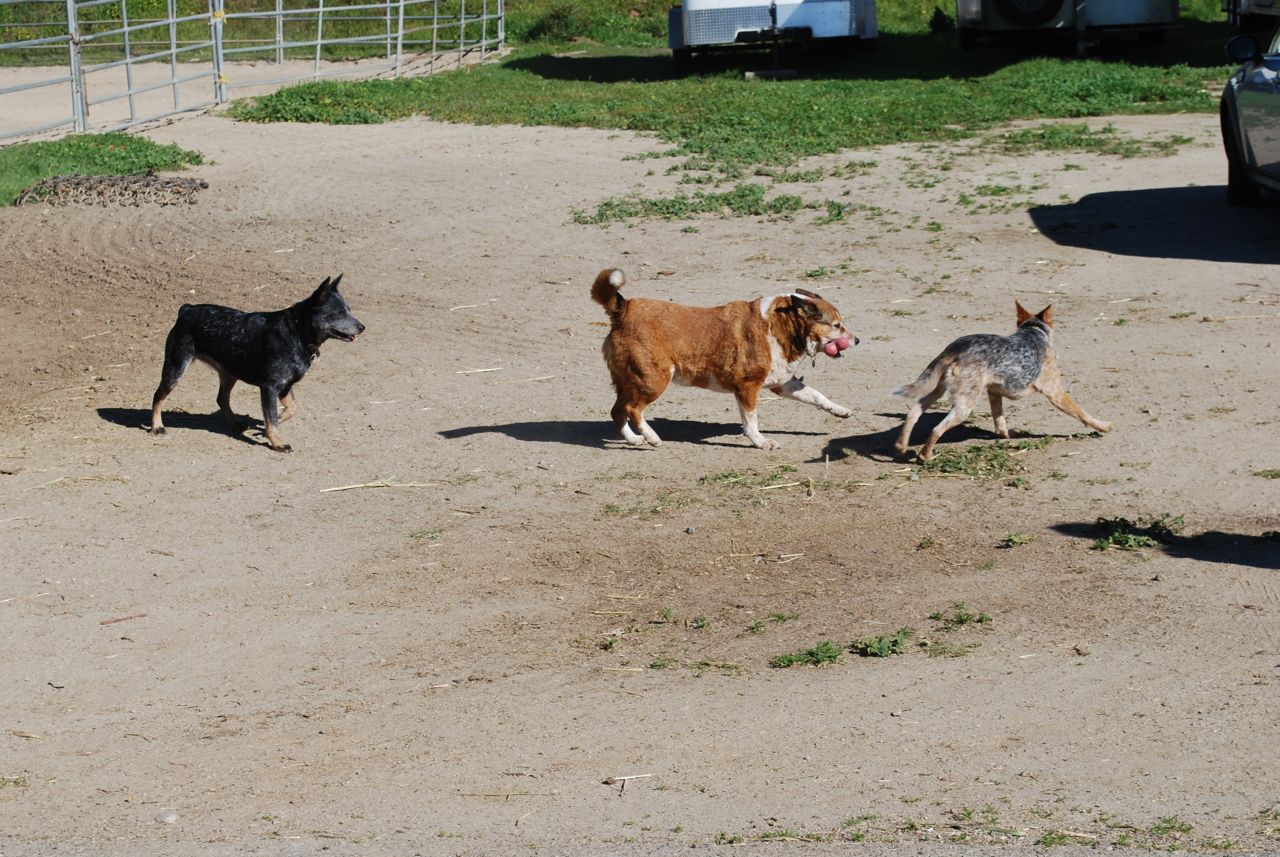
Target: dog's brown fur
(1003, 367)
(739, 348)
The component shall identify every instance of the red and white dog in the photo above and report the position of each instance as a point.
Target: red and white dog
(739, 348)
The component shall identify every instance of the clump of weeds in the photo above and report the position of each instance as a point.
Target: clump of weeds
(1123, 534)
(825, 652)
(882, 646)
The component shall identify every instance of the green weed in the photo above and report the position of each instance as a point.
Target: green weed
(1268, 474)
(883, 646)
(1013, 540)
(745, 200)
(1123, 534)
(825, 652)
(958, 616)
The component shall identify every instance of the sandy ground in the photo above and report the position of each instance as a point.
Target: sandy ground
(455, 665)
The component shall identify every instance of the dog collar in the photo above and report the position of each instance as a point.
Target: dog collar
(313, 351)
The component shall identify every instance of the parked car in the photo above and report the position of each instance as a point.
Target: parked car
(1250, 112)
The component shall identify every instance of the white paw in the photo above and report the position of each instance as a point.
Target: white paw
(841, 412)
(766, 444)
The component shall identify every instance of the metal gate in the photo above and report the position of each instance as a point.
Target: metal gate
(81, 65)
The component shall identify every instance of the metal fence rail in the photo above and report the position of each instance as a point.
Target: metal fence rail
(79, 65)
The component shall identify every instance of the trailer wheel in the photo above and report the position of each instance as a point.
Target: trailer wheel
(1028, 13)
(683, 60)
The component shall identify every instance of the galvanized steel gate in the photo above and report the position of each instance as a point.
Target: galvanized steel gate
(106, 72)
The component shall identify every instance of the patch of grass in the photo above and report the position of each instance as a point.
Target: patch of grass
(756, 627)
(1123, 534)
(1052, 838)
(723, 838)
(700, 622)
(1268, 474)
(1072, 137)
(825, 652)
(1013, 540)
(783, 617)
(958, 616)
(745, 200)
(981, 461)
(426, 535)
(733, 121)
(25, 164)
(1170, 826)
(883, 646)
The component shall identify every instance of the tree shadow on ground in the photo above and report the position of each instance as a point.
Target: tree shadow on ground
(135, 418)
(599, 433)
(1213, 546)
(1166, 223)
(892, 56)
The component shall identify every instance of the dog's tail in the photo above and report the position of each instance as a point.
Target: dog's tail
(604, 291)
(926, 383)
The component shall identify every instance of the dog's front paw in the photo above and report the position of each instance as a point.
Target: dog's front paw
(767, 444)
(283, 447)
(157, 430)
(841, 411)
(1102, 427)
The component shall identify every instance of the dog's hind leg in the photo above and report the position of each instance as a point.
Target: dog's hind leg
(997, 413)
(628, 410)
(913, 416)
(961, 406)
(271, 420)
(179, 351)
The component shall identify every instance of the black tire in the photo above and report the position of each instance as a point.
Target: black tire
(968, 38)
(683, 60)
(1241, 190)
(1029, 13)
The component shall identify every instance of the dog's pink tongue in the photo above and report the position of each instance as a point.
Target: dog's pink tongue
(832, 348)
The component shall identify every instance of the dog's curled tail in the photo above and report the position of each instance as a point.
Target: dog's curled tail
(604, 290)
(926, 383)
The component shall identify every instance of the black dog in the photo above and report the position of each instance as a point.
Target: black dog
(271, 350)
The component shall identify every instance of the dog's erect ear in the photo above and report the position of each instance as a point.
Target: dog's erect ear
(1021, 311)
(809, 294)
(1046, 315)
(326, 288)
(802, 303)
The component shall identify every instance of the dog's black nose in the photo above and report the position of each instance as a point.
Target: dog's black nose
(361, 326)
(856, 340)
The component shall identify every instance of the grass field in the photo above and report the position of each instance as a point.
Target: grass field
(25, 164)
(595, 64)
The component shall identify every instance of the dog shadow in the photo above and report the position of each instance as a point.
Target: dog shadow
(597, 434)
(1213, 546)
(878, 445)
(214, 423)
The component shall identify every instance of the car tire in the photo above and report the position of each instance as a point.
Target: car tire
(968, 38)
(1241, 190)
(1028, 13)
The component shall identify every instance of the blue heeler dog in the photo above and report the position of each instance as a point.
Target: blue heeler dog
(1003, 366)
(270, 350)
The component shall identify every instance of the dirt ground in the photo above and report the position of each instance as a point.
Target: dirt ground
(456, 664)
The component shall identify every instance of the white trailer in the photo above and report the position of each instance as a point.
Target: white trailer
(704, 25)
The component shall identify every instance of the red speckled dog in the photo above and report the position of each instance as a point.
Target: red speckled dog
(739, 348)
